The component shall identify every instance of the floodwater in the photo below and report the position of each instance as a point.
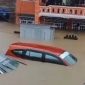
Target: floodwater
(38, 73)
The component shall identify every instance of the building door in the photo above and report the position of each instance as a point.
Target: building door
(69, 24)
(64, 2)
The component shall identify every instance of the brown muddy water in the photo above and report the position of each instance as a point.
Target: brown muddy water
(38, 73)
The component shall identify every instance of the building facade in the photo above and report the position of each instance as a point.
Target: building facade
(62, 14)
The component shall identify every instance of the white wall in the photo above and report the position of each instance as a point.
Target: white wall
(36, 32)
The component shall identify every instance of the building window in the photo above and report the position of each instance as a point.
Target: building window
(64, 2)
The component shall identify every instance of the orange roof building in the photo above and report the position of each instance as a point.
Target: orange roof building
(58, 12)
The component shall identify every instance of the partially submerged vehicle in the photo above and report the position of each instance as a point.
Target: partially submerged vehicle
(7, 64)
(5, 13)
(41, 53)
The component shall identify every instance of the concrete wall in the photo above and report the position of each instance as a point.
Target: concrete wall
(36, 32)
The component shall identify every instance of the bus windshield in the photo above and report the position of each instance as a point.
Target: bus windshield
(69, 58)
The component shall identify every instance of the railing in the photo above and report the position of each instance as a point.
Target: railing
(63, 10)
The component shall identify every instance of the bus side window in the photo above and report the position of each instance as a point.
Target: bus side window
(53, 59)
(35, 54)
(27, 53)
(50, 57)
(18, 52)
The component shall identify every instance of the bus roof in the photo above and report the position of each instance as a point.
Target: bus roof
(41, 47)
